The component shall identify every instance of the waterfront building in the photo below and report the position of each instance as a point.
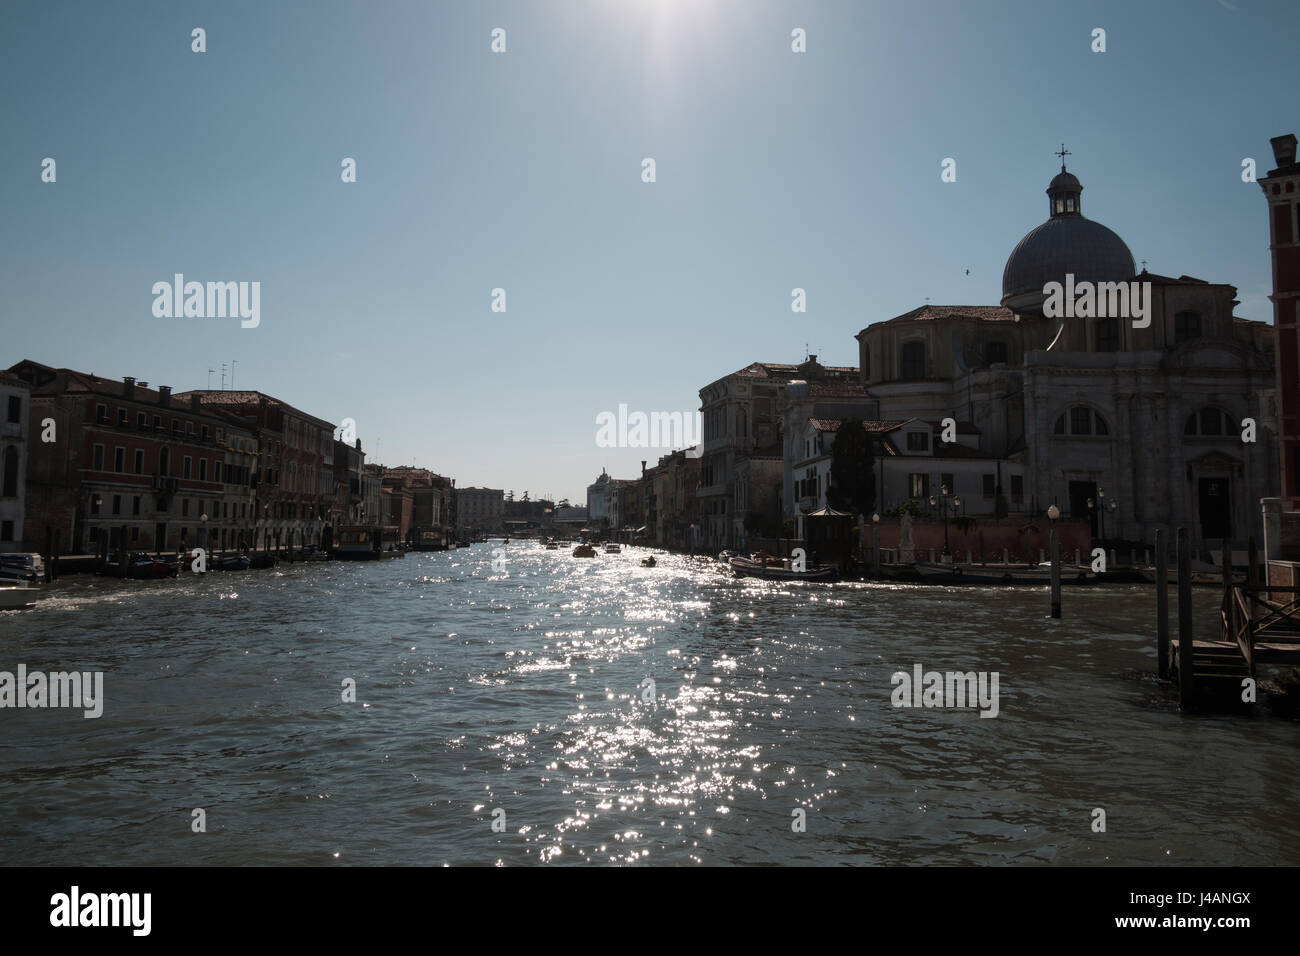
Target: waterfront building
(480, 510)
(1146, 423)
(129, 466)
(296, 460)
(742, 420)
(349, 496)
(15, 399)
(1281, 189)
(372, 509)
(597, 499)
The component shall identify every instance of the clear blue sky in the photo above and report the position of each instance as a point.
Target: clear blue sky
(523, 171)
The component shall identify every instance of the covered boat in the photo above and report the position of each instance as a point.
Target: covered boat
(770, 567)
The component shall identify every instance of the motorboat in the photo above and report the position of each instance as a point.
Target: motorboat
(584, 551)
(552, 546)
(613, 547)
(28, 567)
(18, 597)
(762, 565)
(141, 565)
(233, 562)
(945, 573)
(649, 562)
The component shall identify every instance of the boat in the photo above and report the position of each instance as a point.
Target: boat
(649, 562)
(28, 567)
(769, 567)
(232, 562)
(986, 576)
(552, 546)
(141, 565)
(365, 544)
(584, 551)
(613, 547)
(18, 597)
(261, 559)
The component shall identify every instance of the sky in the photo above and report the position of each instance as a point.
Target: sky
(523, 171)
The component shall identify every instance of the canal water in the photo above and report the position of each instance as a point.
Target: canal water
(553, 709)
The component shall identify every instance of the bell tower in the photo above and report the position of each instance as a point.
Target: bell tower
(1282, 190)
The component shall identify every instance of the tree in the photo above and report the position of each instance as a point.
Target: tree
(853, 479)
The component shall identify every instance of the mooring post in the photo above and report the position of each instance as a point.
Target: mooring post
(121, 551)
(875, 550)
(58, 550)
(1006, 556)
(1076, 556)
(983, 559)
(1029, 551)
(48, 556)
(1162, 607)
(1055, 545)
(1114, 560)
(1186, 651)
(1146, 563)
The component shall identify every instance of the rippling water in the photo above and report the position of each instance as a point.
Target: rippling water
(525, 691)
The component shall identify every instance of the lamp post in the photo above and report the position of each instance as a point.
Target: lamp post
(875, 543)
(945, 496)
(1053, 513)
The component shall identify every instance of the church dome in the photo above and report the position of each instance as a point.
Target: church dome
(1066, 243)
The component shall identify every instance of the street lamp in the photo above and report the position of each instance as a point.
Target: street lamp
(1053, 512)
(945, 496)
(203, 524)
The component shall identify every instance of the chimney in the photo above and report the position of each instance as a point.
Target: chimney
(1284, 149)
(128, 386)
(358, 444)
(196, 402)
(165, 396)
(643, 466)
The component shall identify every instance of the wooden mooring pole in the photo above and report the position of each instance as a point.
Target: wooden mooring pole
(1162, 606)
(1186, 653)
(1055, 545)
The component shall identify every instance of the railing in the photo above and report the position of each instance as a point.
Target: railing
(1250, 616)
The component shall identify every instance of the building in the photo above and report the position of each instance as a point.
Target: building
(131, 467)
(742, 420)
(15, 399)
(1281, 189)
(1143, 422)
(295, 486)
(480, 510)
(597, 500)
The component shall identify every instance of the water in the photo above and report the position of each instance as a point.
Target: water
(523, 691)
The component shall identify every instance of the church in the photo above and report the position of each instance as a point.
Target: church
(1136, 426)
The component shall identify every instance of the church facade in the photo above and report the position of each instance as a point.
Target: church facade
(1136, 424)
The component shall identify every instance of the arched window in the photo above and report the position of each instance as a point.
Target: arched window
(1210, 423)
(1187, 326)
(1080, 420)
(10, 489)
(1108, 335)
(913, 361)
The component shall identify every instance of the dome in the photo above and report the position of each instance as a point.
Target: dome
(1066, 243)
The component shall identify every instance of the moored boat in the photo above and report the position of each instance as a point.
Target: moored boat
(141, 565)
(18, 597)
(777, 569)
(584, 551)
(613, 547)
(986, 576)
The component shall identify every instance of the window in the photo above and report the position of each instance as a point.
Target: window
(185, 473)
(988, 486)
(945, 481)
(1017, 488)
(97, 458)
(185, 508)
(119, 459)
(1187, 326)
(1108, 335)
(1081, 420)
(164, 461)
(135, 505)
(15, 414)
(117, 504)
(176, 428)
(101, 413)
(918, 485)
(216, 471)
(157, 423)
(1210, 423)
(996, 352)
(140, 420)
(135, 534)
(203, 469)
(913, 361)
(10, 486)
(918, 441)
(121, 417)
(139, 462)
(203, 433)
